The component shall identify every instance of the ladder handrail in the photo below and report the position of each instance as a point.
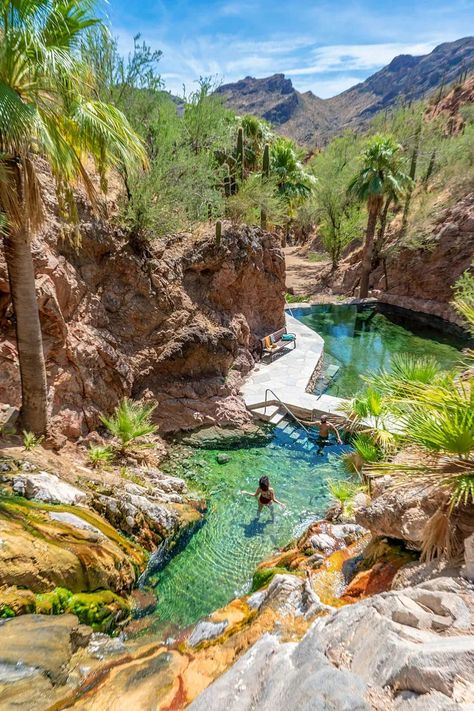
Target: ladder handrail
(268, 390)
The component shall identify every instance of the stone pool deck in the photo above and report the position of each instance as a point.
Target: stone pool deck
(290, 374)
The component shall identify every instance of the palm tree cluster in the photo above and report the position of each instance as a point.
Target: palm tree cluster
(48, 107)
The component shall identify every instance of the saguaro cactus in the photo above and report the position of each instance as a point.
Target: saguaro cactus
(218, 232)
(227, 181)
(240, 153)
(265, 175)
(266, 161)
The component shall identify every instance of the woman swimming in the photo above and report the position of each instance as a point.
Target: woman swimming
(265, 495)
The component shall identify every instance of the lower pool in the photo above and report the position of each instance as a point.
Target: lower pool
(218, 562)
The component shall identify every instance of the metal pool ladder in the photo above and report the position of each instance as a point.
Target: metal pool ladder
(276, 415)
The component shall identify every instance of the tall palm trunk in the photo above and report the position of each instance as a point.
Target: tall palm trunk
(374, 209)
(378, 245)
(28, 331)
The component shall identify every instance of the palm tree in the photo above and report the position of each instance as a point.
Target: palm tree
(47, 108)
(380, 175)
(295, 185)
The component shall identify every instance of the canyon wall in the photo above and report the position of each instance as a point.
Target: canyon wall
(177, 325)
(421, 279)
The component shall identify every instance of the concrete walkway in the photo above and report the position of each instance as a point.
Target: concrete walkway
(289, 374)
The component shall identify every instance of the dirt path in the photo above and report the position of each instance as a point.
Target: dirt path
(304, 277)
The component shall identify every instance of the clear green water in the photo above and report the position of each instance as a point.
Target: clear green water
(218, 562)
(363, 339)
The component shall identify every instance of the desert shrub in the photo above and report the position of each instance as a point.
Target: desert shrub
(100, 456)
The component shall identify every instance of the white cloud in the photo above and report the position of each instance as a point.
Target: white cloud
(325, 70)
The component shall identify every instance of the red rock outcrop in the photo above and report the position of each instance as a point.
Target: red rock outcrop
(421, 279)
(178, 325)
(450, 105)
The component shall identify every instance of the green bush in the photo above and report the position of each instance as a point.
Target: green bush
(130, 421)
(100, 456)
(364, 445)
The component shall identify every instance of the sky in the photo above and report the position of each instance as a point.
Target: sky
(325, 47)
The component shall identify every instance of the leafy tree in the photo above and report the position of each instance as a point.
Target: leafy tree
(47, 107)
(337, 212)
(434, 411)
(208, 125)
(254, 196)
(380, 174)
(122, 81)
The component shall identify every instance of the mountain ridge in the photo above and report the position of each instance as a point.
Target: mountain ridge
(312, 121)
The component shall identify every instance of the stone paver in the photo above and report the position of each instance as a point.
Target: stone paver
(289, 374)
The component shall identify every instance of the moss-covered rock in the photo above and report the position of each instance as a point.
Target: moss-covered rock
(15, 602)
(102, 610)
(54, 602)
(262, 577)
(45, 547)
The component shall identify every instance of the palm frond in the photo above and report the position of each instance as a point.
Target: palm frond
(130, 421)
(366, 448)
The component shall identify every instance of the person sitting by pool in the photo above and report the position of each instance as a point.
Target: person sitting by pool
(265, 495)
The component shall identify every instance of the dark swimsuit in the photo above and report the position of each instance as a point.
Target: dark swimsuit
(265, 498)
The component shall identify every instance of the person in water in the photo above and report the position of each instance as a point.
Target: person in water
(265, 495)
(325, 429)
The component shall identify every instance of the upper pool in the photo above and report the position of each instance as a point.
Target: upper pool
(361, 339)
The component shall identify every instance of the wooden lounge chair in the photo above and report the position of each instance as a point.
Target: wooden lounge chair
(274, 342)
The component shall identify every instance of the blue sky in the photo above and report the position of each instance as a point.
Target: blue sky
(323, 46)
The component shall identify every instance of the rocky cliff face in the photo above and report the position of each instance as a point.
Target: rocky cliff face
(178, 325)
(423, 279)
(313, 121)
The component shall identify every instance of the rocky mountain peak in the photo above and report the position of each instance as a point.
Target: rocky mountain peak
(313, 121)
(402, 61)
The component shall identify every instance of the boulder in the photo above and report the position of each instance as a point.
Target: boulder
(39, 551)
(41, 643)
(323, 542)
(288, 595)
(410, 650)
(468, 569)
(77, 522)
(47, 487)
(206, 630)
(222, 458)
(273, 676)
(400, 513)
(393, 639)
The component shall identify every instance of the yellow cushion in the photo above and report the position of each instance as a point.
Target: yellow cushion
(267, 341)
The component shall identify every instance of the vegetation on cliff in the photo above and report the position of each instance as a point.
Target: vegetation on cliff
(48, 107)
(433, 411)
